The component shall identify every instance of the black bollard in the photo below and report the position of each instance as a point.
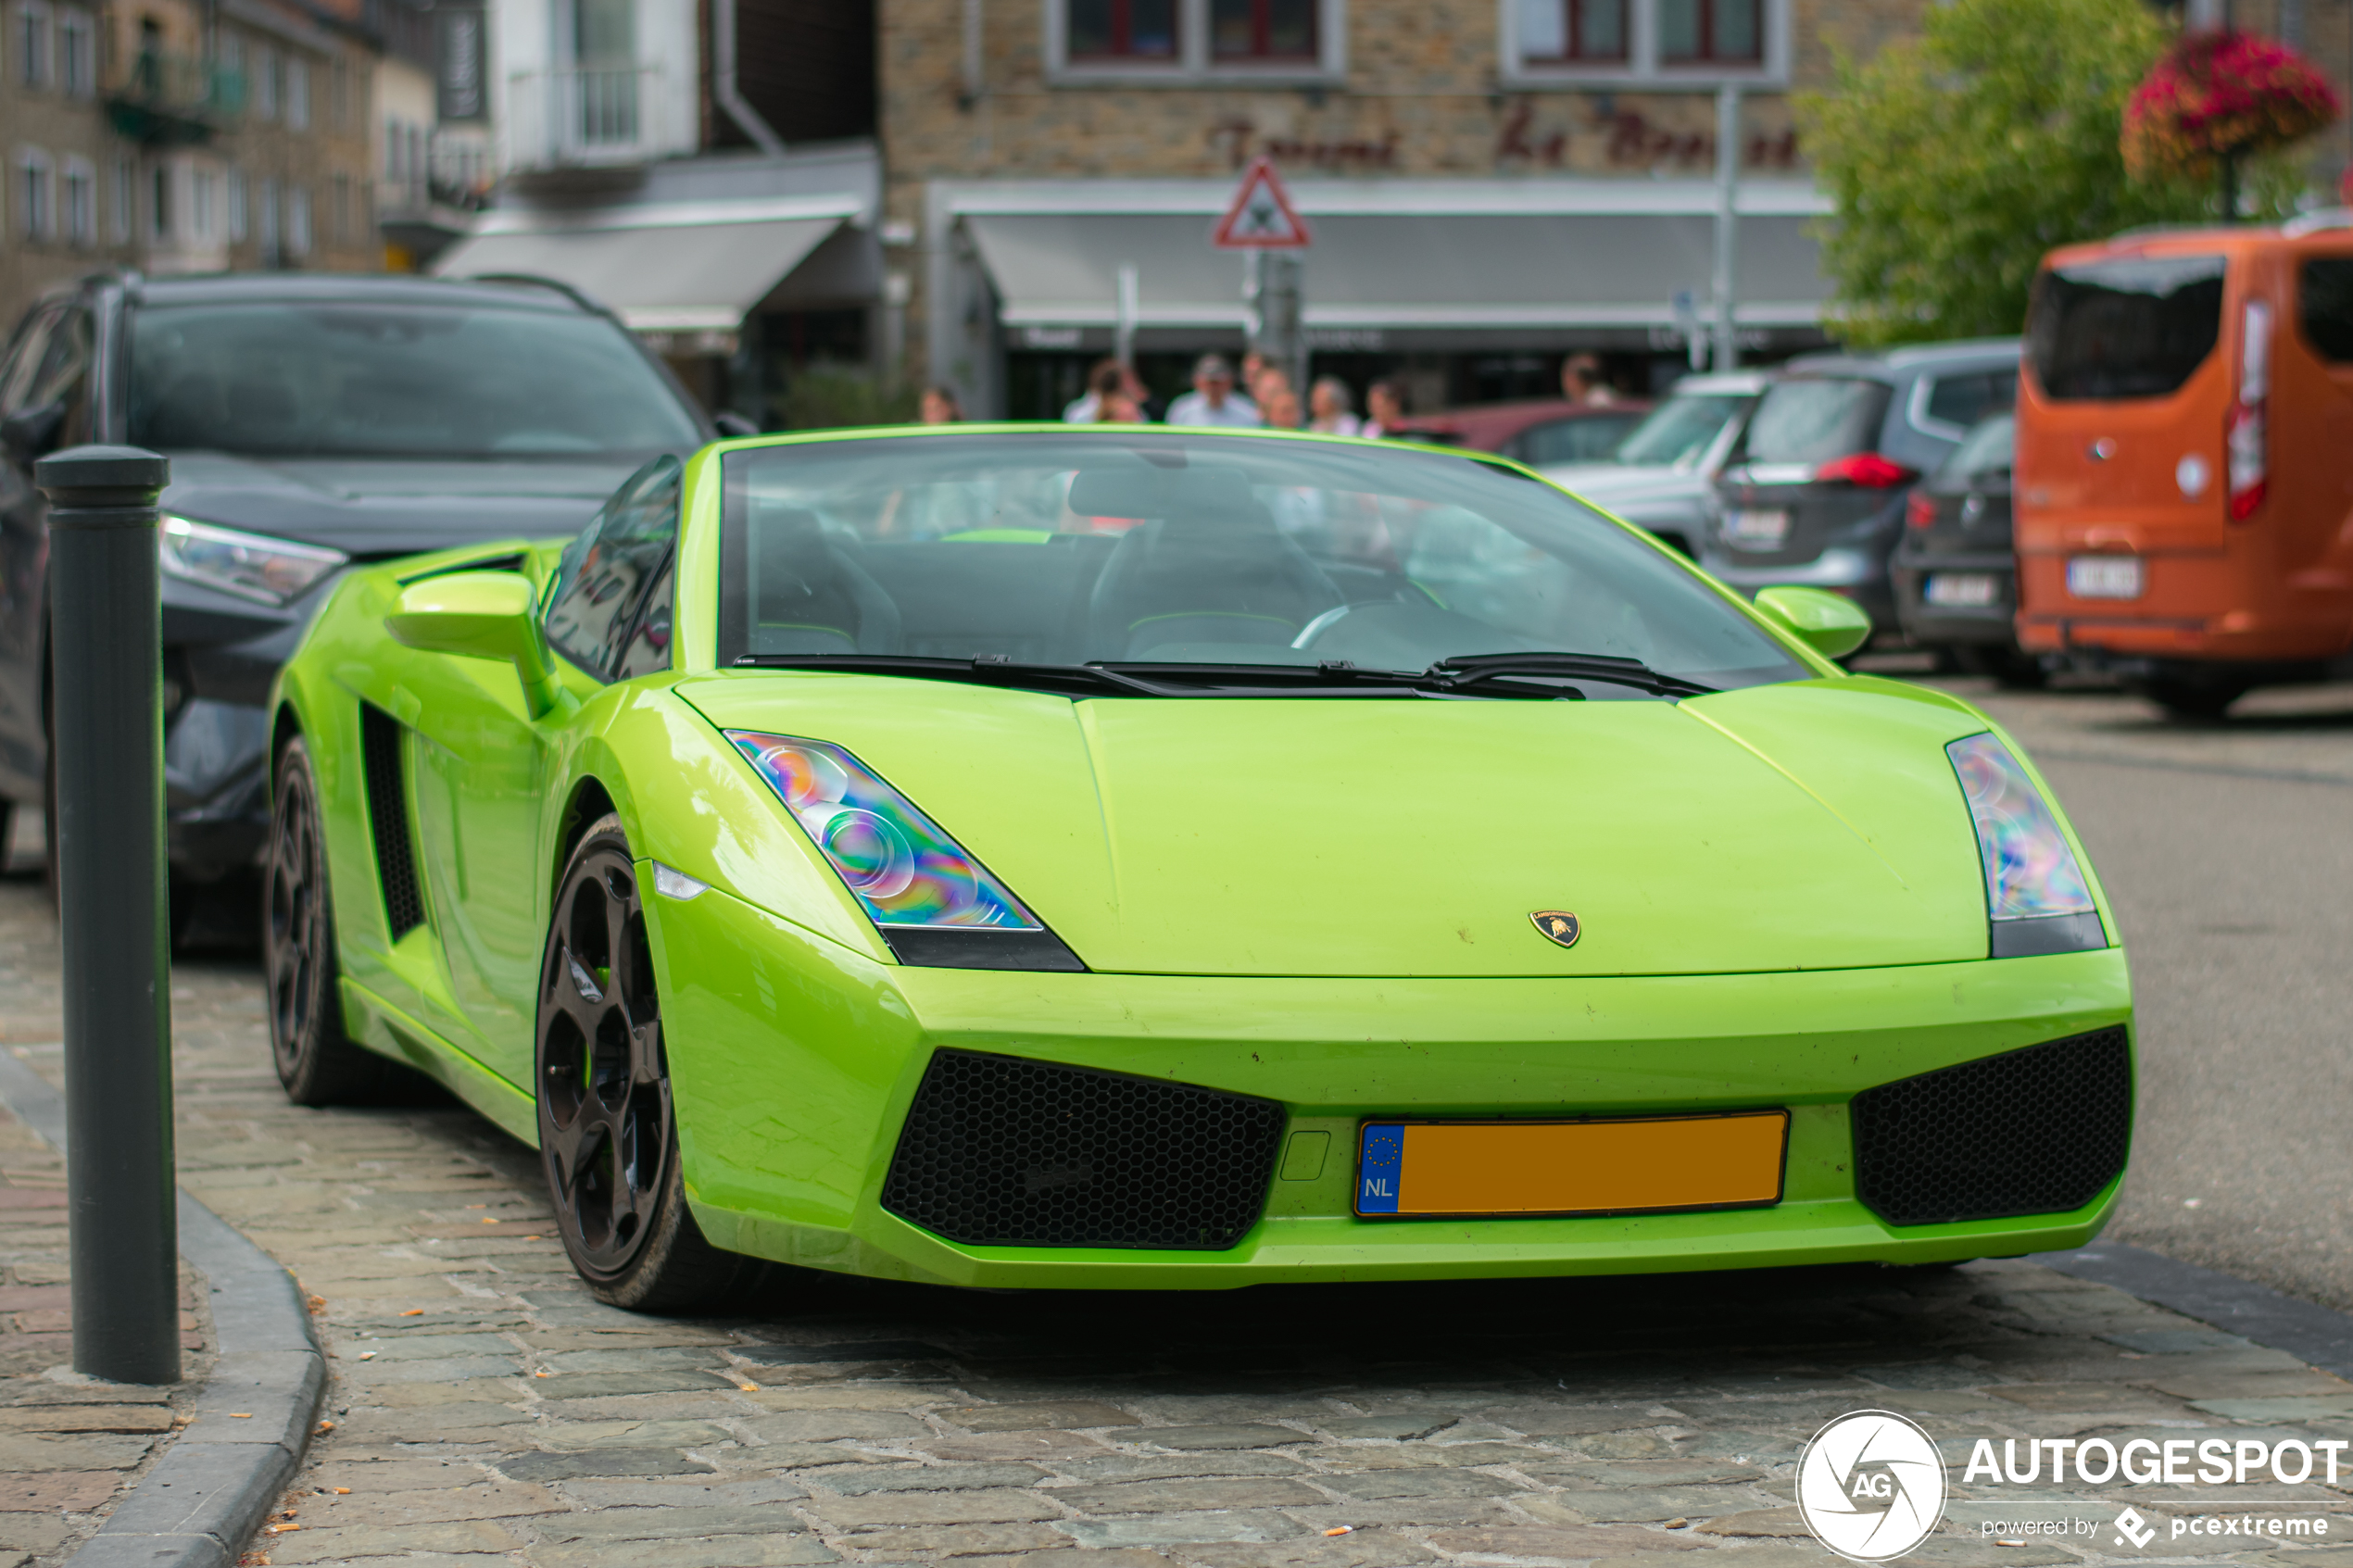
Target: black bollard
(107, 631)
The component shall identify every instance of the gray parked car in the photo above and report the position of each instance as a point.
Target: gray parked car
(1816, 493)
(1955, 573)
(1662, 475)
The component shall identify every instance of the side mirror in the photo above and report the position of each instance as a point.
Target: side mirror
(31, 433)
(1831, 626)
(480, 615)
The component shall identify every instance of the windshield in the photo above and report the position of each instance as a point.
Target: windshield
(1677, 433)
(1986, 450)
(394, 381)
(2130, 327)
(1175, 548)
(1816, 420)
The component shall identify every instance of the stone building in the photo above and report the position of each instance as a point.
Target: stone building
(1491, 183)
(156, 134)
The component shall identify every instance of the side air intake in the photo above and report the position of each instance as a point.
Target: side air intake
(382, 738)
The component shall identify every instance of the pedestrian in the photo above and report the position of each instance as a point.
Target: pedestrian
(1081, 410)
(1328, 402)
(1282, 409)
(1384, 411)
(1269, 380)
(1213, 400)
(1581, 381)
(1114, 407)
(939, 406)
(1146, 406)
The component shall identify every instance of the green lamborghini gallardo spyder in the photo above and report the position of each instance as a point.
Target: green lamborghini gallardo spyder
(1134, 856)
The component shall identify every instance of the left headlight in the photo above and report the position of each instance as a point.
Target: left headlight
(2037, 899)
(934, 904)
(252, 566)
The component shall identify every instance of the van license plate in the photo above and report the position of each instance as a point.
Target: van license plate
(2103, 577)
(1756, 527)
(1963, 590)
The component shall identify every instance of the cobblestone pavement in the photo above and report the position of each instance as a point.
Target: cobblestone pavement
(488, 1412)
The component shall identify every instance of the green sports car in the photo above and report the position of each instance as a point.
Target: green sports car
(1132, 857)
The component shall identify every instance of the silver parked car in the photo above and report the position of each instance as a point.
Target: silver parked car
(1661, 476)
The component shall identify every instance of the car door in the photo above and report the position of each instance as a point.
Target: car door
(47, 359)
(484, 766)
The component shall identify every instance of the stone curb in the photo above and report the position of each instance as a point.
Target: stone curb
(2311, 1333)
(209, 1491)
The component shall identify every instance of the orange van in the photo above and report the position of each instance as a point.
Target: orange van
(2184, 484)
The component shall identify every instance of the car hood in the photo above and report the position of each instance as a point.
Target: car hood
(1810, 826)
(377, 507)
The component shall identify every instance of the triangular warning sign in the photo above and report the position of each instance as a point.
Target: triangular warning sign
(1262, 217)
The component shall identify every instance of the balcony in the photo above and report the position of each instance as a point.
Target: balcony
(587, 118)
(174, 100)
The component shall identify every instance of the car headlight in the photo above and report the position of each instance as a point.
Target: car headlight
(935, 905)
(2037, 899)
(252, 566)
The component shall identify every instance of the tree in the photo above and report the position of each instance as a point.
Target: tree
(1958, 158)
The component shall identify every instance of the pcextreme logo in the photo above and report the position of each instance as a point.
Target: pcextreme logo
(1870, 1485)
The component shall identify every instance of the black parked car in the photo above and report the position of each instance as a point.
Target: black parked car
(1815, 493)
(311, 421)
(1955, 578)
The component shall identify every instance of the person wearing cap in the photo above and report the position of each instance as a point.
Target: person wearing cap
(1213, 400)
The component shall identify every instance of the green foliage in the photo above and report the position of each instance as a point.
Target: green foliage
(832, 397)
(1958, 159)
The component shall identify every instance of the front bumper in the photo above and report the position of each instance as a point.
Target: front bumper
(795, 1063)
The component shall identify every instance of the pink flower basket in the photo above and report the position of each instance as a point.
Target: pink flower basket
(2217, 96)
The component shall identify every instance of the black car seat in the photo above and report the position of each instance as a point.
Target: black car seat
(1216, 570)
(813, 596)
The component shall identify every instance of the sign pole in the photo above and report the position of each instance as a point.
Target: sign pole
(106, 621)
(1261, 224)
(1728, 174)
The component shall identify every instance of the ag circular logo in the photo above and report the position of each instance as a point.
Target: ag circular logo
(1871, 1485)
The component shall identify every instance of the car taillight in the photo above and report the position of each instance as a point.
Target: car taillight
(2244, 432)
(1867, 469)
(1920, 511)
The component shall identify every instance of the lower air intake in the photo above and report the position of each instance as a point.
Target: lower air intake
(2038, 1130)
(1001, 1151)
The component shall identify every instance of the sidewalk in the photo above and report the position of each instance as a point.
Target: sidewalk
(488, 1412)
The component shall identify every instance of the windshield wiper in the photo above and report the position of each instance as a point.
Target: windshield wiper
(1466, 671)
(1070, 680)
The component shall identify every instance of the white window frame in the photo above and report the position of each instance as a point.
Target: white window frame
(1193, 64)
(235, 201)
(1641, 65)
(81, 230)
(204, 219)
(297, 93)
(76, 70)
(263, 92)
(36, 65)
(272, 235)
(122, 200)
(36, 215)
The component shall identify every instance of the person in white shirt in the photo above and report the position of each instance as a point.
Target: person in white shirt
(1384, 411)
(1213, 400)
(1083, 411)
(1329, 413)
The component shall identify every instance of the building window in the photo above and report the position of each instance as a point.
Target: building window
(159, 204)
(265, 81)
(1560, 30)
(1263, 29)
(32, 45)
(236, 204)
(77, 53)
(1123, 30)
(339, 96)
(298, 221)
(124, 193)
(297, 95)
(1709, 32)
(202, 220)
(80, 191)
(230, 59)
(36, 195)
(266, 208)
(343, 210)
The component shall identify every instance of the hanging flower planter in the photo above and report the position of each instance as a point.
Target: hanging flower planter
(2217, 97)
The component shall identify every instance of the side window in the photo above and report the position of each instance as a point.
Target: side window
(26, 351)
(610, 611)
(1964, 400)
(62, 377)
(2324, 306)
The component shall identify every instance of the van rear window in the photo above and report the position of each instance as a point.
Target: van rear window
(2131, 327)
(2325, 306)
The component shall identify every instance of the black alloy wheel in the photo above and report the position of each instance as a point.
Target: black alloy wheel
(608, 1139)
(316, 1062)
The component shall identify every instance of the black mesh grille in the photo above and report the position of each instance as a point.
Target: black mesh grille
(1002, 1151)
(380, 736)
(2038, 1130)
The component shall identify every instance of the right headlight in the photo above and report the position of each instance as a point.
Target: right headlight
(2037, 899)
(252, 566)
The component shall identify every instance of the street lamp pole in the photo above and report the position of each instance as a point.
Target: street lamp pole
(1728, 173)
(106, 627)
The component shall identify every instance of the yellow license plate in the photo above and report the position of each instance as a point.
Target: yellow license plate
(1630, 1166)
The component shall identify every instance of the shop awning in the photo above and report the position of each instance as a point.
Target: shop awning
(696, 267)
(1404, 255)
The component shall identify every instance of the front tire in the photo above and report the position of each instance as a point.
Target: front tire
(608, 1134)
(317, 1063)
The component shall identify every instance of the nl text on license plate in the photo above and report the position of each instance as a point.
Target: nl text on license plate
(1752, 525)
(1961, 590)
(2103, 577)
(1727, 1160)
